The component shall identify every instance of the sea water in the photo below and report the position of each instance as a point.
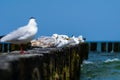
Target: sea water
(101, 66)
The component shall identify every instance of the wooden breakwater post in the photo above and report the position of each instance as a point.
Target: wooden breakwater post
(104, 46)
(44, 63)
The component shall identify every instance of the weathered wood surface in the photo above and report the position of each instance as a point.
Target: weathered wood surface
(44, 64)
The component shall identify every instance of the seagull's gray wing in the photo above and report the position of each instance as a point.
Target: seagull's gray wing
(26, 35)
(15, 35)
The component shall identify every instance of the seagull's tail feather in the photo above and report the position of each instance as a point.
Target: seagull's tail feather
(1, 37)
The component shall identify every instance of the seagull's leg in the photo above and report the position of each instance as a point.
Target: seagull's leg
(21, 49)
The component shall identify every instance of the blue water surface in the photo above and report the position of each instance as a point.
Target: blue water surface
(101, 66)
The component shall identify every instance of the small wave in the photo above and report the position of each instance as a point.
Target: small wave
(111, 60)
(87, 62)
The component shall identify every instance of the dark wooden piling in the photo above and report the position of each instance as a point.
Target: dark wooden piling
(93, 46)
(110, 46)
(104, 46)
(44, 63)
(116, 47)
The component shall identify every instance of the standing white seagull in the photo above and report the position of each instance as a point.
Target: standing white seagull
(23, 34)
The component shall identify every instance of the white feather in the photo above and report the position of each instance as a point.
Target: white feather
(23, 34)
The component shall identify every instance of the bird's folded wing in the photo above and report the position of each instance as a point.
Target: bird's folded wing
(15, 35)
(25, 36)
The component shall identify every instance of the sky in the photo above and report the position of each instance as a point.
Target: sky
(96, 20)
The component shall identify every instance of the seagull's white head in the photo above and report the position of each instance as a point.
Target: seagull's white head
(32, 21)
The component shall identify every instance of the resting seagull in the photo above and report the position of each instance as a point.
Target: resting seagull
(23, 34)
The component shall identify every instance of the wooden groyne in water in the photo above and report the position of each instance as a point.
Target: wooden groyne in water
(104, 46)
(43, 63)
